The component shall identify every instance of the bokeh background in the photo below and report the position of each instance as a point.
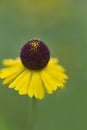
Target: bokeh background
(62, 25)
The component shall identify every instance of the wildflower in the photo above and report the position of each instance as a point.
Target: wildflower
(34, 72)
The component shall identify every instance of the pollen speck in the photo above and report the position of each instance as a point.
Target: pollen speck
(34, 45)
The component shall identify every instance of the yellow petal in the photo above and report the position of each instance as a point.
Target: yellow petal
(56, 72)
(49, 83)
(6, 72)
(10, 78)
(55, 67)
(36, 87)
(53, 61)
(59, 76)
(24, 89)
(11, 62)
(17, 83)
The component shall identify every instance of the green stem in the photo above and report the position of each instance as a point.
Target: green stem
(32, 115)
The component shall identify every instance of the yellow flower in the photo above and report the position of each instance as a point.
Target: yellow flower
(34, 72)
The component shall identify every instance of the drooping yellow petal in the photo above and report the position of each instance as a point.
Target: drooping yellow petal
(21, 82)
(59, 76)
(6, 72)
(46, 85)
(53, 61)
(11, 62)
(36, 87)
(14, 68)
(17, 83)
(10, 78)
(56, 72)
(49, 83)
(55, 66)
(24, 89)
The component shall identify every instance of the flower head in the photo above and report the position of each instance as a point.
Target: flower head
(35, 55)
(34, 72)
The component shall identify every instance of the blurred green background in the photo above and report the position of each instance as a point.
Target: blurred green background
(62, 25)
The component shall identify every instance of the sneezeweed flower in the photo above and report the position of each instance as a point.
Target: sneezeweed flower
(34, 73)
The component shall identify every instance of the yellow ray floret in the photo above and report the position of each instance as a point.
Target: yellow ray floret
(32, 82)
(36, 87)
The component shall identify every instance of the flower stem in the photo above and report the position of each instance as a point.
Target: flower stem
(32, 115)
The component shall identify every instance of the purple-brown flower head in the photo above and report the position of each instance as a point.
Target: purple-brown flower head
(35, 54)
